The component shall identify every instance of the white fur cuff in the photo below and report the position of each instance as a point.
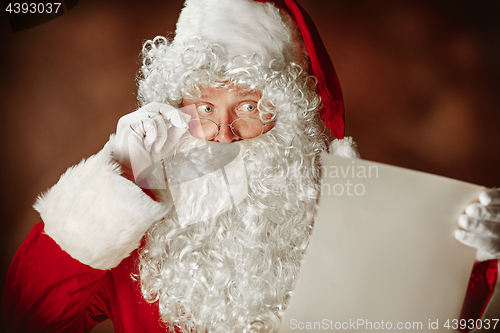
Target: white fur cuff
(345, 147)
(95, 214)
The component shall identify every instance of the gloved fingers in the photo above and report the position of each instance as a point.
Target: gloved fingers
(155, 108)
(176, 117)
(125, 123)
(146, 131)
(152, 110)
(482, 212)
(490, 197)
(174, 135)
(483, 243)
(137, 116)
(161, 133)
(157, 127)
(483, 227)
(139, 157)
(171, 123)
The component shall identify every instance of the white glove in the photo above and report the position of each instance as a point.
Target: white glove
(146, 136)
(481, 225)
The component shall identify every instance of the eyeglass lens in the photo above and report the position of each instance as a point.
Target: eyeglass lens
(244, 128)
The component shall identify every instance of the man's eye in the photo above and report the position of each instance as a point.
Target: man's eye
(205, 108)
(248, 107)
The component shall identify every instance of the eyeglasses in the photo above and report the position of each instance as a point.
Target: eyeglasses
(243, 128)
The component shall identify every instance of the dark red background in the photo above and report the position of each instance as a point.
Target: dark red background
(420, 80)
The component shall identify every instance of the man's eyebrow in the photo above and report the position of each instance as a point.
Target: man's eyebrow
(240, 94)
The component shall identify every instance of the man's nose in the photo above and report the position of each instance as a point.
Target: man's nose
(225, 133)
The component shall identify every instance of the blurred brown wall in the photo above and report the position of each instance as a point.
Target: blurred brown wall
(420, 82)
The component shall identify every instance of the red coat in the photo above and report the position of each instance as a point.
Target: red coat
(47, 290)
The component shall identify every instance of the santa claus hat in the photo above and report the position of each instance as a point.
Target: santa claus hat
(256, 26)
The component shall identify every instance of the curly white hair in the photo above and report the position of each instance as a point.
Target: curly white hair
(235, 272)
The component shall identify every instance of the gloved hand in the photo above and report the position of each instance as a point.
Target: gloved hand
(146, 136)
(481, 225)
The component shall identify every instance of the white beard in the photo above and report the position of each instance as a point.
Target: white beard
(235, 272)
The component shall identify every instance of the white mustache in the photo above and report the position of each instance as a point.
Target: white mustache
(214, 172)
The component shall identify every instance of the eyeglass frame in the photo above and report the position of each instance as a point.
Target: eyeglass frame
(231, 126)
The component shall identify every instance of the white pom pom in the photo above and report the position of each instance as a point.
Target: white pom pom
(345, 147)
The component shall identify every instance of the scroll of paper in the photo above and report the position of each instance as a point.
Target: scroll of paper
(382, 256)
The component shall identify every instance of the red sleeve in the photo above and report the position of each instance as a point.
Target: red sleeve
(47, 290)
(481, 287)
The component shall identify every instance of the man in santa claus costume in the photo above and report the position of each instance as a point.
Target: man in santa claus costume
(196, 215)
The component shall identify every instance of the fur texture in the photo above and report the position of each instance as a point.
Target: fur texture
(95, 214)
(242, 27)
(235, 271)
(345, 147)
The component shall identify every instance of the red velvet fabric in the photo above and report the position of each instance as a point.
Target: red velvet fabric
(47, 290)
(329, 89)
(481, 287)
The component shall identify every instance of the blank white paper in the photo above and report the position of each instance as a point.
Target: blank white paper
(382, 253)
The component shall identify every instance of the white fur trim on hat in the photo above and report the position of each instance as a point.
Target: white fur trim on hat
(95, 214)
(345, 147)
(242, 27)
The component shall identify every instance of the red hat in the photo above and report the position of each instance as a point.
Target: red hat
(322, 68)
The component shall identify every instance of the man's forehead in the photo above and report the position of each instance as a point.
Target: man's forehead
(234, 91)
